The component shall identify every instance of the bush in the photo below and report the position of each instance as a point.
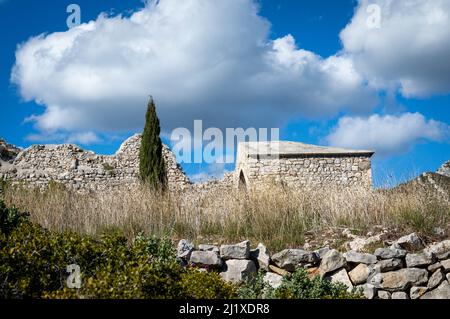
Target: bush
(10, 217)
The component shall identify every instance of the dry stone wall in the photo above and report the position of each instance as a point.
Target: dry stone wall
(76, 168)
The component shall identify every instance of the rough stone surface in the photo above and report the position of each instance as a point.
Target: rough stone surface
(359, 274)
(384, 294)
(399, 295)
(403, 279)
(289, 259)
(390, 264)
(355, 257)
(184, 249)
(436, 278)
(417, 292)
(261, 256)
(205, 259)
(341, 276)
(331, 261)
(237, 251)
(389, 253)
(369, 291)
(434, 266)
(411, 242)
(278, 271)
(419, 260)
(208, 247)
(446, 265)
(322, 251)
(236, 271)
(441, 250)
(273, 280)
(441, 292)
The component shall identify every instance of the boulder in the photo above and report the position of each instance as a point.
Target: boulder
(273, 280)
(369, 291)
(360, 258)
(207, 247)
(205, 259)
(389, 264)
(440, 250)
(403, 279)
(411, 242)
(331, 261)
(237, 251)
(441, 292)
(184, 249)
(384, 294)
(417, 292)
(341, 276)
(389, 253)
(359, 274)
(290, 259)
(419, 260)
(261, 256)
(435, 280)
(236, 270)
(399, 295)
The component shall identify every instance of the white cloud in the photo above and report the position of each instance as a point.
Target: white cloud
(82, 138)
(388, 134)
(210, 60)
(410, 51)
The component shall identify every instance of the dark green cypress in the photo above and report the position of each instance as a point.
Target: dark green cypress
(151, 162)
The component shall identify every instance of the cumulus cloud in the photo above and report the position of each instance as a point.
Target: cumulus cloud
(388, 134)
(210, 60)
(410, 49)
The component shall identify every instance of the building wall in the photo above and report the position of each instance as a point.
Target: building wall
(307, 171)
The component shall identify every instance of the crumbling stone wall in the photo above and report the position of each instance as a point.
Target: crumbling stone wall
(306, 171)
(84, 170)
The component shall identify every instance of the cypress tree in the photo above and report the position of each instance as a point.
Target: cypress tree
(151, 162)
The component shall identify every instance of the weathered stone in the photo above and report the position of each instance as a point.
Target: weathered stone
(207, 247)
(360, 243)
(441, 292)
(389, 253)
(184, 249)
(403, 279)
(390, 264)
(322, 251)
(289, 259)
(446, 265)
(419, 260)
(448, 277)
(434, 266)
(399, 295)
(313, 272)
(384, 294)
(331, 261)
(411, 242)
(341, 276)
(436, 278)
(237, 251)
(273, 280)
(440, 250)
(278, 271)
(261, 256)
(417, 292)
(359, 274)
(205, 259)
(369, 291)
(236, 271)
(355, 257)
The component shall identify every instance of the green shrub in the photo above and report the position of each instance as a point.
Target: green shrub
(196, 284)
(10, 217)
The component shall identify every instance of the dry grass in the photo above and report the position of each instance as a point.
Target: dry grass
(277, 217)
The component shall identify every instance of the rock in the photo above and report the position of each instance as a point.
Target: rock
(359, 274)
(440, 250)
(446, 265)
(205, 259)
(368, 291)
(389, 253)
(360, 243)
(237, 251)
(399, 295)
(322, 251)
(313, 272)
(390, 264)
(435, 280)
(384, 294)
(206, 247)
(331, 261)
(278, 271)
(411, 242)
(419, 260)
(290, 259)
(358, 258)
(184, 249)
(261, 256)
(273, 280)
(341, 276)
(403, 279)
(434, 266)
(448, 277)
(442, 292)
(417, 292)
(236, 271)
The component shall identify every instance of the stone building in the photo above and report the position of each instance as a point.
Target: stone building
(300, 165)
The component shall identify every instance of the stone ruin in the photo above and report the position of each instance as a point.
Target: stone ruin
(291, 164)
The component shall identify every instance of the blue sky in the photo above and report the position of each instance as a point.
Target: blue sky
(311, 68)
